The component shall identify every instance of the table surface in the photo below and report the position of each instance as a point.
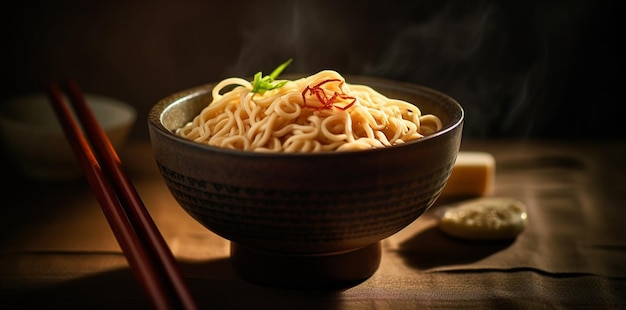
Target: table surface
(56, 248)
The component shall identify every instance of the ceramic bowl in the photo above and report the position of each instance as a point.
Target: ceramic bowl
(285, 213)
(35, 143)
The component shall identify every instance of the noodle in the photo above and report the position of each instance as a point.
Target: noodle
(312, 114)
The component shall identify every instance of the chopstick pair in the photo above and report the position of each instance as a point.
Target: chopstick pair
(147, 253)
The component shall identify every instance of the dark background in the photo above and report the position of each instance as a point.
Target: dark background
(521, 69)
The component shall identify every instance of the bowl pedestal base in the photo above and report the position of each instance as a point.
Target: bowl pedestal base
(332, 270)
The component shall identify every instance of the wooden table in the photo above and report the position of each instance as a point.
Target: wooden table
(56, 248)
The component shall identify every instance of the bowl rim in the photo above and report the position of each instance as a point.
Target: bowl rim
(155, 121)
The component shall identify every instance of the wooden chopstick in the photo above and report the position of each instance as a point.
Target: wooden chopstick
(144, 247)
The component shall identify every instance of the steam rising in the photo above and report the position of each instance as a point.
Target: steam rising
(458, 48)
(461, 51)
(519, 68)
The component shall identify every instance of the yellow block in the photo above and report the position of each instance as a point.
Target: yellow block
(473, 175)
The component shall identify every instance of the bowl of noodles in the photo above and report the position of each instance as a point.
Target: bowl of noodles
(307, 176)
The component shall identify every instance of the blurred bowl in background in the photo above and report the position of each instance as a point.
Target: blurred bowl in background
(35, 143)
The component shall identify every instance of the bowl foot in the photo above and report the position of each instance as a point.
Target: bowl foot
(332, 270)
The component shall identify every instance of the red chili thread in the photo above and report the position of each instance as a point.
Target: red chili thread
(322, 96)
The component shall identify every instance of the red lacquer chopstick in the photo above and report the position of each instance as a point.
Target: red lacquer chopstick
(144, 247)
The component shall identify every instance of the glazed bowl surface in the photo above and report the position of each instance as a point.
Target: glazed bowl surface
(313, 203)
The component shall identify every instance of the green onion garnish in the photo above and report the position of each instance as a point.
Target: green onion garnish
(261, 83)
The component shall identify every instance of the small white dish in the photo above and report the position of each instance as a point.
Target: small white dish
(36, 144)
